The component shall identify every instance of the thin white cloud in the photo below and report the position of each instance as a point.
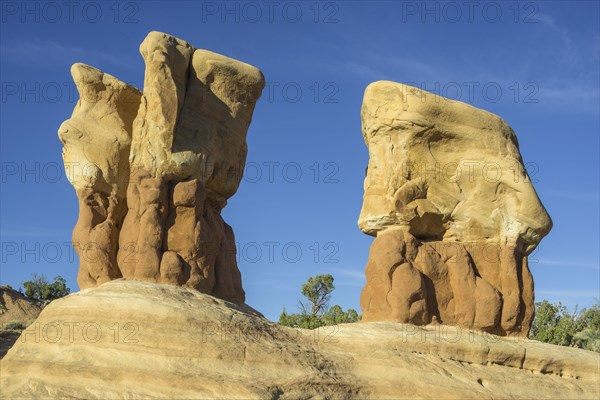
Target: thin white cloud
(550, 22)
(568, 194)
(578, 94)
(52, 52)
(568, 293)
(361, 70)
(563, 263)
(349, 284)
(347, 272)
(33, 232)
(269, 283)
(580, 61)
(389, 65)
(535, 80)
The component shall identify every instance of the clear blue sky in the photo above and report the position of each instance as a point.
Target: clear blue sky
(536, 64)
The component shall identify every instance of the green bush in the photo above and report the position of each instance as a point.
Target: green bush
(315, 312)
(588, 339)
(554, 324)
(588, 329)
(40, 289)
(13, 326)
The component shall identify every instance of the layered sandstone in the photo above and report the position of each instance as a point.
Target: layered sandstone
(96, 146)
(15, 307)
(453, 210)
(170, 342)
(153, 170)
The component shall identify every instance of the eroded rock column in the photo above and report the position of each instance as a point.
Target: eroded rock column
(183, 157)
(453, 211)
(97, 140)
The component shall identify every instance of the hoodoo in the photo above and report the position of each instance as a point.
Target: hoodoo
(453, 211)
(153, 169)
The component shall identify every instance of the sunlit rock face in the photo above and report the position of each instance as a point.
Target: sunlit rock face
(154, 169)
(97, 142)
(168, 342)
(453, 211)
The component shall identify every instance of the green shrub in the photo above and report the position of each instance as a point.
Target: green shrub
(554, 324)
(40, 289)
(315, 312)
(13, 326)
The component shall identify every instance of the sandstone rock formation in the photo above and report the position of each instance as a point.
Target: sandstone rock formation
(97, 141)
(153, 170)
(453, 211)
(14, 306)
(169, 342)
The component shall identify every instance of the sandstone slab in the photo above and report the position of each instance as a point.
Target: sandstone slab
(131, 339)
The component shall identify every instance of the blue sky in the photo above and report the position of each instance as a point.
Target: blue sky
(536, 64)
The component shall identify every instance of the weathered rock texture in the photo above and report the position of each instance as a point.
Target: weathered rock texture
(14, 306)
(97, 141)
(453, 210)
(169, 342)
(153, 170)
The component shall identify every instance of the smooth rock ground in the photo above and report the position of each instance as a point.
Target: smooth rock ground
(128, 339)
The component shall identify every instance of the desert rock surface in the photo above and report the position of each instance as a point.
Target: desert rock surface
(147, 340)
(453, 210)
(14, 306)
(153, 169)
